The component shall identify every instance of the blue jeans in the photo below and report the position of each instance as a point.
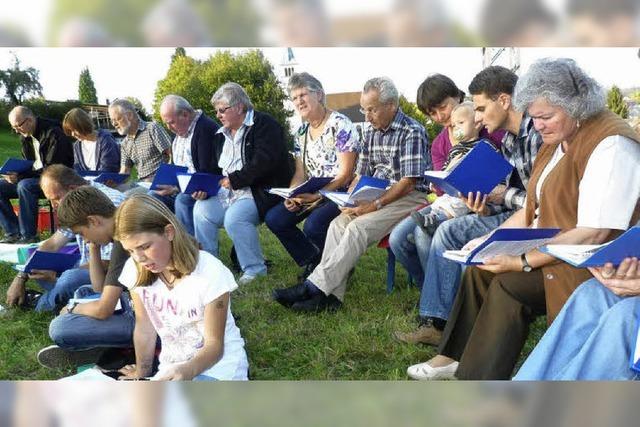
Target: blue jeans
(304, 245)
(58, 293)
(169, 201)
(76, 331)
(27, 191)
(240, 220)
(421, 255)
(184, 211)
(592, 338)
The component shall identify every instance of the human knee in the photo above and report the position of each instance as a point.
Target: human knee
(60, 331)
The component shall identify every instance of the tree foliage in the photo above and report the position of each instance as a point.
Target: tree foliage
(411, 110)
(196, 81)
(19, 83)
(86, 89)
(616, 103)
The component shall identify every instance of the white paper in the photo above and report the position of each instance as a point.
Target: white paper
(183, 181)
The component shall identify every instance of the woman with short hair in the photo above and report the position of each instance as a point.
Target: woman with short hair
(95, 149)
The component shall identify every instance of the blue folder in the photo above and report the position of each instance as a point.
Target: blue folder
(627, 245)
(344, 199)
(166, 175)
(480, 170)
(14, 165)
(524, 239)
(56, 261)
(199, 181)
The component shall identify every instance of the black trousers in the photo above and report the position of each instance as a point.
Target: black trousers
(489, 322)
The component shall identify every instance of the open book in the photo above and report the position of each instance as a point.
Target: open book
(503, 241)
(55, 261)
(367, 189)
(103, 176)
(93, 297)
(166, 175)
(189, 183)
(480, 170)
(14, 165)
(625, 246)
(309, 186)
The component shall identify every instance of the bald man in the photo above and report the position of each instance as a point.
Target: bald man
(44, 142)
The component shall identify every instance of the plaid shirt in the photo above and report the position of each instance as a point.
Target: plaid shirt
(401, 150)
(520, 151)
(105, 251)
(145, 149)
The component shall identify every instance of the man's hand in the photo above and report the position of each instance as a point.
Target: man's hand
(11, 178)
(363, 208)
(200, 195)
(46, 275)
(623, 281)
(291, 205)
(15, 293)
(502, 264)
(476, 203)
(166, 190)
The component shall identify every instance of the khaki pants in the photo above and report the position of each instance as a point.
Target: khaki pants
(349, 237)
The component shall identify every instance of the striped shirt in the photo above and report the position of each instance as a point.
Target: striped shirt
(401, 150)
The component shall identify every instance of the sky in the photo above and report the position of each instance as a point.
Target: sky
(120, 72)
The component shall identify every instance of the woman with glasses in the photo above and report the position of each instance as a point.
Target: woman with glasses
(588, 158)
(95, 149)
(254, 158)
(326, 145)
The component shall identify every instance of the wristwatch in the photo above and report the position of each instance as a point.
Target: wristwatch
(525, 264)
(71, 305)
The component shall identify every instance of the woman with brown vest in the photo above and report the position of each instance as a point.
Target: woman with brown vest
(589, 158)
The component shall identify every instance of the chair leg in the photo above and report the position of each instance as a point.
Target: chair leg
(391, 270)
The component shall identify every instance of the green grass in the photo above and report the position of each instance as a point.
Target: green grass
(354, 343)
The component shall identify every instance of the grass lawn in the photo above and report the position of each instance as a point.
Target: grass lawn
(353, 344)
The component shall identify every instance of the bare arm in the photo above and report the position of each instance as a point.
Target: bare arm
(215, 319)
(102, 308)
(97, 270)
(144, 341)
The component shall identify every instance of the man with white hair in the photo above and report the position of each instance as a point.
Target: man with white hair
(196, 145)
(395, 148)
(145, 145)
(44, 142)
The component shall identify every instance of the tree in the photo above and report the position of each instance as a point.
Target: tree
(19, 83)
(197, 81)
(616, 103)
(86, 88)
(411, 110)
(178, 53)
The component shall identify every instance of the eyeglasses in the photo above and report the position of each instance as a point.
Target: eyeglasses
(370, 110)
(223, 110)
(19, 125)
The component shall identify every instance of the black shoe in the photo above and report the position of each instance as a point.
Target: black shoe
(291, 295)
(10, 238)
(318, 303)
(28, 240)
(58, 358)
(31, 298)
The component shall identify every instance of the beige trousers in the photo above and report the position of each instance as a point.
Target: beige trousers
(349, 237)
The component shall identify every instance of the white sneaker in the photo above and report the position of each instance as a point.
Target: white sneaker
(424, 371)
(246, 278)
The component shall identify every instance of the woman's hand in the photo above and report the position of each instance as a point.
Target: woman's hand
(623, 281)
(199, 195)
(129, 372)
(476, 203)
(166, 190)
(472, 244)
(306, 198)
(177, 372)
(502, 264)
(225, 183)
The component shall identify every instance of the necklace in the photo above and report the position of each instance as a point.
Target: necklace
(168, 282)
(324, 116)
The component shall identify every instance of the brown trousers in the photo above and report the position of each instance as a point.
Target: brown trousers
(489, 322)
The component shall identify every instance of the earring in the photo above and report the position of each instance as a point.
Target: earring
(578, 124)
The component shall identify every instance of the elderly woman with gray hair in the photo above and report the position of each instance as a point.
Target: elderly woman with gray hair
(588, 158)
(326, 145)
(254, 157)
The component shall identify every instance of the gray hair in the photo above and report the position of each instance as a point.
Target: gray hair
(124, 106)
(562, 83)
(387, 92)
(178, 103)
(233, 94)
(306, 81)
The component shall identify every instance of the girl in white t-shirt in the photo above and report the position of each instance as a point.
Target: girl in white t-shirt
(180, 294)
